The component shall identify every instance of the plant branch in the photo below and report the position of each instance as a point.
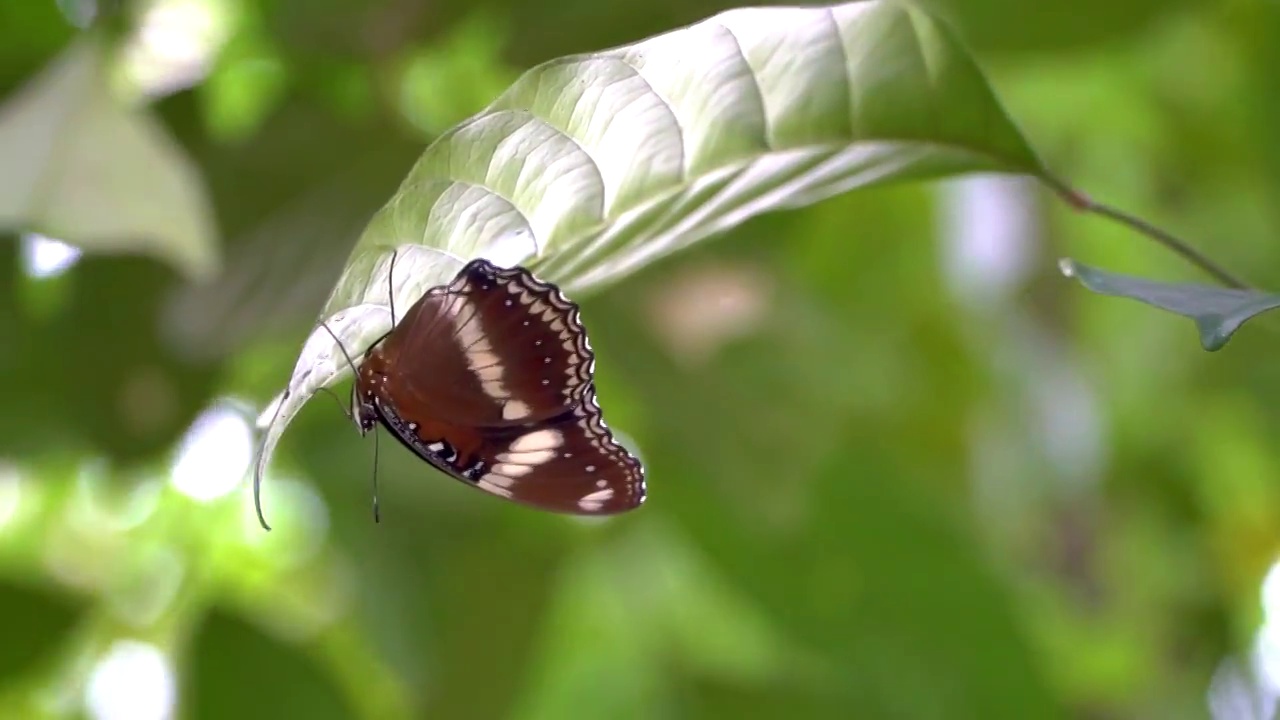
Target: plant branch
(1084, 203)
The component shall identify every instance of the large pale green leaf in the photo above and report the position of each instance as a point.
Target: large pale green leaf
(591, 166)
(84, 166)
(1218, 312)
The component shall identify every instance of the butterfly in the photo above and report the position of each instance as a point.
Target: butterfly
(490, 380)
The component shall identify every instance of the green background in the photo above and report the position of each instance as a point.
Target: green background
(878, 488)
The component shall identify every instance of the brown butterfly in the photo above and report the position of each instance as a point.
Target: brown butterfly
(490, 380)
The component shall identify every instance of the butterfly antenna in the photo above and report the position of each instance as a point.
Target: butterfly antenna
(391, 287)
(341, 408)
(377, 515)
(341, 347)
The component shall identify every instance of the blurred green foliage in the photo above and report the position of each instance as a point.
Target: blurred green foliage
(878, 488)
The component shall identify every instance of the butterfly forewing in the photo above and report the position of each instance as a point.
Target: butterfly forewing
(494, 348)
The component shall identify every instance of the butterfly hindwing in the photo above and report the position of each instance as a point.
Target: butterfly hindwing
(569, 464)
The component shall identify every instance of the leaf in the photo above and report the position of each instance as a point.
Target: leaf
(1217, 311)
(591, 166)
(83, 166)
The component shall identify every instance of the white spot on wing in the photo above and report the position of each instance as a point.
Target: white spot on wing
(530, 458)
(511, 470)
(596, 500)
(481, 358)
(491, 483)
(537, 440)
(516, 409)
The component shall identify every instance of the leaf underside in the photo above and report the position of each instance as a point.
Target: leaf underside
(591, 166)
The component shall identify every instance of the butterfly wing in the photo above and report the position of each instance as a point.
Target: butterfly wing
(496, 347)
(567, 464)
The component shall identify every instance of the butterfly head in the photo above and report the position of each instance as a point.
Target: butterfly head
(370, 378)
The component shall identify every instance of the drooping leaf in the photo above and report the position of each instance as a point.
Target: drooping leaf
(1217, 311)
(82, 165)
(591, 166)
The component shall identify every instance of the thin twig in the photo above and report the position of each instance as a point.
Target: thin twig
(1084, 203)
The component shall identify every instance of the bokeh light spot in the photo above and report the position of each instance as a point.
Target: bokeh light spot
(176, 43)
(45, 257)
(214, 455)
(10, 493)
(133, 681)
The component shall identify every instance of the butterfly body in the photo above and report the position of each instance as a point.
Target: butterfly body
(489, 379)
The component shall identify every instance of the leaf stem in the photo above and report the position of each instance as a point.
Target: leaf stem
(1082, 202)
